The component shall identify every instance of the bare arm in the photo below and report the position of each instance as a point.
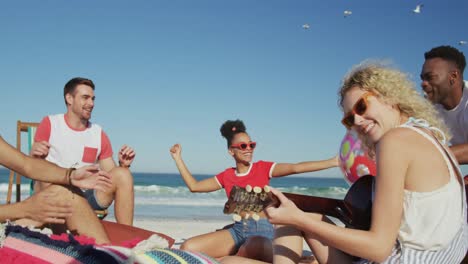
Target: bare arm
(36, 169)
(126, 156)
(107, 164)
(375, 244)
(461, 153)
(284, 169)
(207, 185)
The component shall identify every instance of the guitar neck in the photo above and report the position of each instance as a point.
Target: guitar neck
(354, 211)
(312, 204)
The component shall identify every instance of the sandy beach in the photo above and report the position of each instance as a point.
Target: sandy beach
(180, 229)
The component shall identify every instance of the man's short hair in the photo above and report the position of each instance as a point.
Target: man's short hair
(70, 86)
(448, 53)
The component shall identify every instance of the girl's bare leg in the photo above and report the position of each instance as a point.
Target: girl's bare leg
(216, 244)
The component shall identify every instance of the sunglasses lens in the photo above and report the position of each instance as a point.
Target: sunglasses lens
(360, 107)
(243, 146)
(253, 145)
(349, 120)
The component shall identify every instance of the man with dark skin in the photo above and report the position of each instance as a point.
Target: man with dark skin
(443, 85)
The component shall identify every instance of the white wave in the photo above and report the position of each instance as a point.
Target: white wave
(180, 196)
(4, 187)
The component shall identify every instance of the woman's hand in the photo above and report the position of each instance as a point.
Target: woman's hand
(286, 213)
(176, 151)
(91, 177)
(335, 161)
(47, 207)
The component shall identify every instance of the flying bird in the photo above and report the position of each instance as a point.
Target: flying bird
(462, 42)
(306, 26)
(418, 8)
(347, 13)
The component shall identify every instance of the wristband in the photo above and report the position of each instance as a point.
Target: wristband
(123, 166)
(69, 172)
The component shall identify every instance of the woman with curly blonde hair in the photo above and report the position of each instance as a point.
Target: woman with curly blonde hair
(419, 206)
(396, 89)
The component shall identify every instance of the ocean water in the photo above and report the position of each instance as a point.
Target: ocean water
(159, 195)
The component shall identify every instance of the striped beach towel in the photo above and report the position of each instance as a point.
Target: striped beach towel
(21, 245)
(173, 256)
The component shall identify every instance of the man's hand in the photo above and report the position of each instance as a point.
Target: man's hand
(40, 149)
(126, 156)
(47, 207)
(90, 177)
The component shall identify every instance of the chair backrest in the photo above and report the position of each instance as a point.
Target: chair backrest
(30, 129)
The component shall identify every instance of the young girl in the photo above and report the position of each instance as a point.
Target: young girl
(241, 148)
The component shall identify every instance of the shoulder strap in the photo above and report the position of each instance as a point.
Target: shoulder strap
(429, 134)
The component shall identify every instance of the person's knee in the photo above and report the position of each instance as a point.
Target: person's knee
(122, 176)
(189, 245)
(68, 194)
(60, 190)
(57, 188)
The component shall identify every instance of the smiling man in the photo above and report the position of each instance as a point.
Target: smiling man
(443, 85)
(71, 140)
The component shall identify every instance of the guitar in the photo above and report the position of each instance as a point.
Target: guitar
(354, 210)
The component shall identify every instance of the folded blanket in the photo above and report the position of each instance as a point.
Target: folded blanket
(22, 245)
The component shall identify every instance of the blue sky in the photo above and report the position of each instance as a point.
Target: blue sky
(174, 71)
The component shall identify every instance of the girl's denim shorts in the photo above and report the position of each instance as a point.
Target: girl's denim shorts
(244, 229)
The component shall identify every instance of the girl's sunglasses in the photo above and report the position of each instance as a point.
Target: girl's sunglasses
(359, 108)
(244, 146)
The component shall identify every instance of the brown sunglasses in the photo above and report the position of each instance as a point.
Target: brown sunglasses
(359, 108)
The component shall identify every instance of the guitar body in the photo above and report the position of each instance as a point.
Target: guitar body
(354, 211)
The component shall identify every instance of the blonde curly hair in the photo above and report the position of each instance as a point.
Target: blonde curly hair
(392, 87)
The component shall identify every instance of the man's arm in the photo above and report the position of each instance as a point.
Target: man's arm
(126, 155)
(461, 153)
(107, 164)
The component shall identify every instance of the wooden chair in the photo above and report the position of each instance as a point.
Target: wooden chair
(30, 128)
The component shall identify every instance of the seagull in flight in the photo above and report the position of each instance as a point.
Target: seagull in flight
(347, 13)
(418, 8)
(462, 42)
(306, 26)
